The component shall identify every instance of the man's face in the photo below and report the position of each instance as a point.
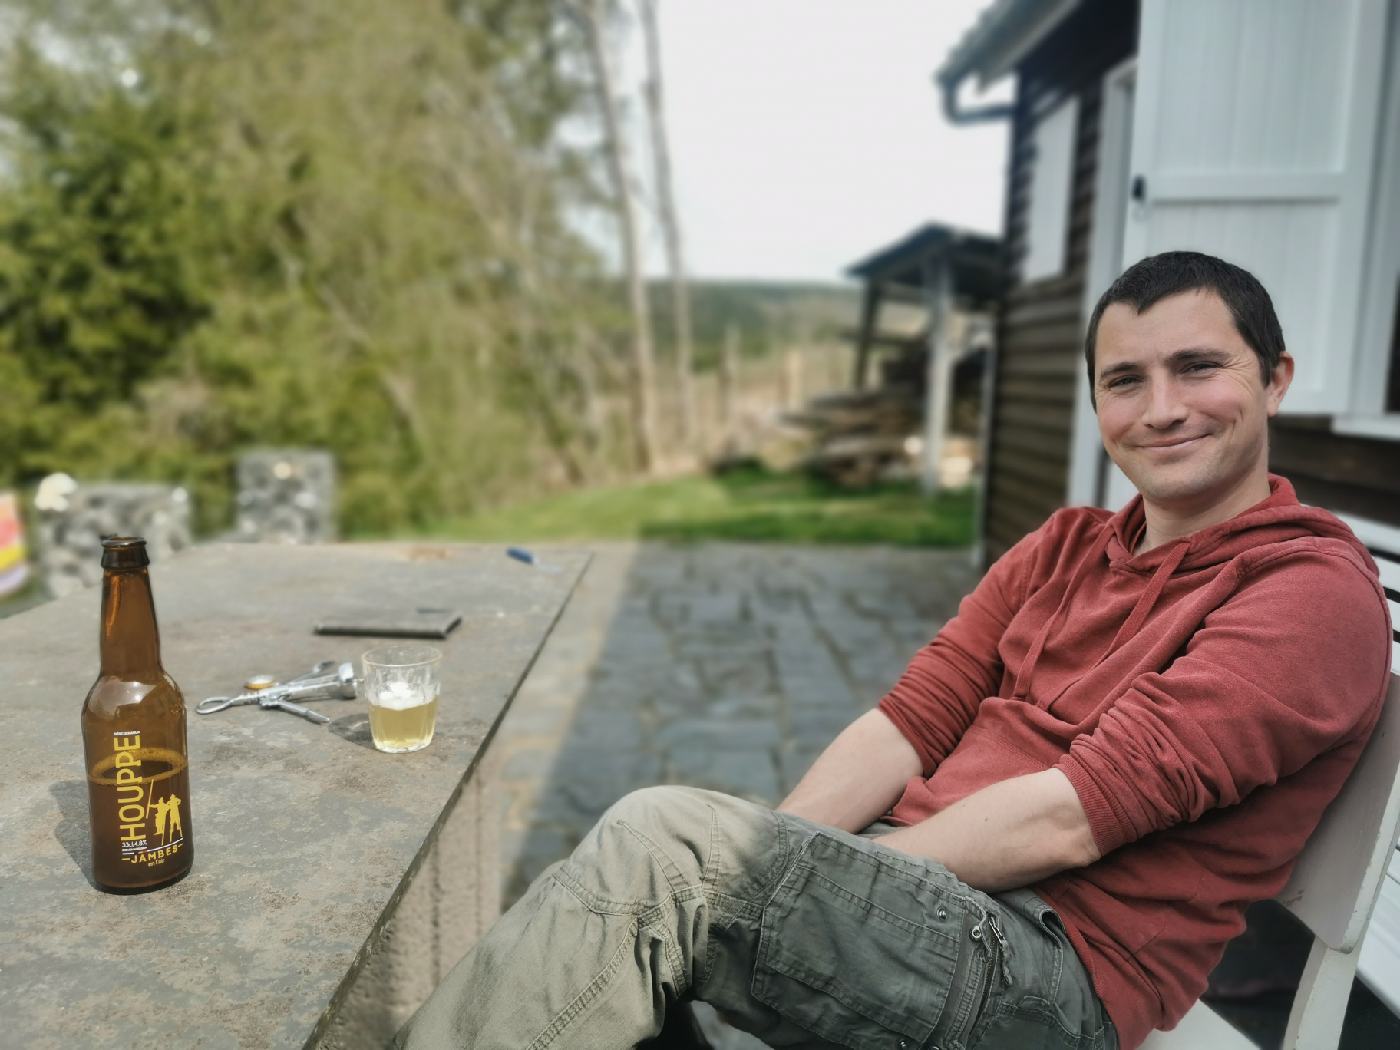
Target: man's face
(1182, 408)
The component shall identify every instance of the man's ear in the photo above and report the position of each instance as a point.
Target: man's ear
(1278, 383)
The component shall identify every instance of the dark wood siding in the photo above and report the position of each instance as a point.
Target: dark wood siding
(1040, 325)
(1350, 475)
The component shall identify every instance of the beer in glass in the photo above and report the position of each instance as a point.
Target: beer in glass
(401, 685)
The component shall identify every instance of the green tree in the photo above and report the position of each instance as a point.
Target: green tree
(338, 223)
(98, 279)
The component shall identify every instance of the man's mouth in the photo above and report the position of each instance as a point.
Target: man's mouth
(1166, 446)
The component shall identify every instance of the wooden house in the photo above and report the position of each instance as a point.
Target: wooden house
(1263, 131)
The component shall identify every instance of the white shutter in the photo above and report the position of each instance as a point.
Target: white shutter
(1254, 137)
(1051, 176)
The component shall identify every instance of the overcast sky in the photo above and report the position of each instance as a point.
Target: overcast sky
(807, 133)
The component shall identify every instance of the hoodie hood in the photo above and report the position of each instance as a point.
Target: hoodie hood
(1277, 518)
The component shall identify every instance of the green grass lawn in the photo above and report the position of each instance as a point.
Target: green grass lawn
(750, 504)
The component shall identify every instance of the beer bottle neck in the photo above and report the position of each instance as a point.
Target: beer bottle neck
(130, 642)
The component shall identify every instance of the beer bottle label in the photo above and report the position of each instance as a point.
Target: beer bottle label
(148, 812)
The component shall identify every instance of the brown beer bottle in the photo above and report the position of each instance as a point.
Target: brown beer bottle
(134, 738)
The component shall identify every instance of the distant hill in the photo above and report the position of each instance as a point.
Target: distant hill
(767, 314)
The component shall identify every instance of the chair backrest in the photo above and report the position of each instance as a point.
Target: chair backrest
(1383, 541)
(1339, 873)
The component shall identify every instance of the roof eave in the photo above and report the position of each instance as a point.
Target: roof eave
(1004, 34)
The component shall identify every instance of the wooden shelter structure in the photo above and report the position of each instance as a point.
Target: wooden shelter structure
(943, 269)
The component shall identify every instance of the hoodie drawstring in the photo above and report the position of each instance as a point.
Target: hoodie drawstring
(1144, 605)
(1130, 626)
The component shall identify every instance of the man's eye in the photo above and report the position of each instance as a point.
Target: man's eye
(1121, 381)
(1202, 366)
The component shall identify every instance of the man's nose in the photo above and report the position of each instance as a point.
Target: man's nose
(1164, 408)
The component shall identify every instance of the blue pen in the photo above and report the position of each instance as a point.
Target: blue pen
(528, 557)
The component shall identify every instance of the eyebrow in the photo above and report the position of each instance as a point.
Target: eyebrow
(1186, 355)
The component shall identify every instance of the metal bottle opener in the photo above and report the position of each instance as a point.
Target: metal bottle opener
(326, 681)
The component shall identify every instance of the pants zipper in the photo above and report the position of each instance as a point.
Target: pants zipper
(987, 933)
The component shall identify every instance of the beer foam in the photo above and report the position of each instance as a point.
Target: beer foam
(399, 696)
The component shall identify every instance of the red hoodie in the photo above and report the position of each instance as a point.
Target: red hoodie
(1206, 699)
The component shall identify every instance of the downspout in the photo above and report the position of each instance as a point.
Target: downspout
(948, 84)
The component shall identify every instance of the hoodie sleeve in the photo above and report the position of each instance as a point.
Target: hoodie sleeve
(1293, 665)
(937, 696)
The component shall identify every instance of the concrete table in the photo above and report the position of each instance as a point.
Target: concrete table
(332, 885)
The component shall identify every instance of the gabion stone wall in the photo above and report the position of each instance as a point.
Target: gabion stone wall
(286, 496)
(73, 518)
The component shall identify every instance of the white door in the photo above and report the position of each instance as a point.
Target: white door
(1254, 138)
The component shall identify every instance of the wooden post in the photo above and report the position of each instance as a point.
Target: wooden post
(869, 313)
(939, 374)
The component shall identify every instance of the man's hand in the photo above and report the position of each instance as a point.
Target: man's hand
(858, 777)
(1007, 835)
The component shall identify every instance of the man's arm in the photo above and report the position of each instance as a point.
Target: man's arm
(858, 777)
(1293, 665)
(940, 693)
(862, 773)
(1007, 835)
(1002, 837)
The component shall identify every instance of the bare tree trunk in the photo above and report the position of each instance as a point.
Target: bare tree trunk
(670, 223)
(643, 385)
(585, 372)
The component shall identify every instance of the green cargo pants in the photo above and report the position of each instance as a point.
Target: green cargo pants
(803, 935)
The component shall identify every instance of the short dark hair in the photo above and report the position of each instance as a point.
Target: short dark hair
(1150, 280)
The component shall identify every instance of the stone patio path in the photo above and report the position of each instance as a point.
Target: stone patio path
(722, 666)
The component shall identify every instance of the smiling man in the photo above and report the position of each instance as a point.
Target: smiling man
(1048, 830)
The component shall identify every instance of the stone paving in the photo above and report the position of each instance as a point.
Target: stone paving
(722, 666)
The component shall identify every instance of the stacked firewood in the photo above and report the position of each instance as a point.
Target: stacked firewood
(859, 437)
(862, 436)
(286, 496)
(73, 518)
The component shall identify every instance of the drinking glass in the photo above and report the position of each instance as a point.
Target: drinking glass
(401, 685)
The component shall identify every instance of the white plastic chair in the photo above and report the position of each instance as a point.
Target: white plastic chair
(1332, 891)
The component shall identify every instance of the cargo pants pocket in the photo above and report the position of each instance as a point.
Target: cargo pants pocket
(1050, 1004)
(858, 947)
